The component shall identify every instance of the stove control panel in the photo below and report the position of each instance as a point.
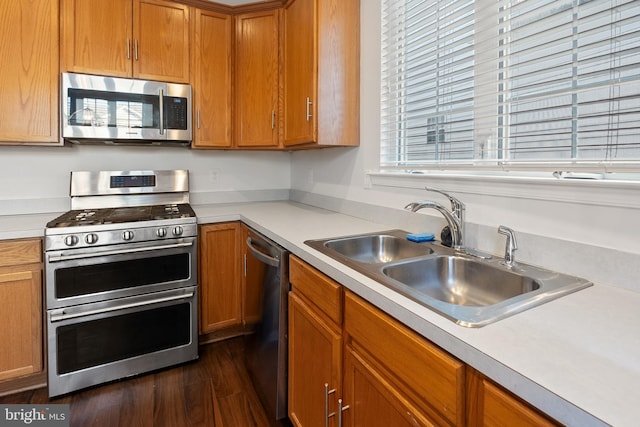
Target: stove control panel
(79, 238)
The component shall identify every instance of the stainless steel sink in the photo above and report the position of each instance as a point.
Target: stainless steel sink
(378, 248)
(461, 281)
(469, 290)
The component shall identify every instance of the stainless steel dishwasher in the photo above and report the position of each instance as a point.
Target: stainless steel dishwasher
(267, 264)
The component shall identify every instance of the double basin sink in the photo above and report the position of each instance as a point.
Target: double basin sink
(469, 288)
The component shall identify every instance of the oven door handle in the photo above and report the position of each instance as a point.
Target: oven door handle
(60, 315)
(63, 257)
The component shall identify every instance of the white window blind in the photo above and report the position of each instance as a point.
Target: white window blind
(540, 84)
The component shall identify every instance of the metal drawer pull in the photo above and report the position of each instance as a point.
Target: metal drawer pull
(59, 315)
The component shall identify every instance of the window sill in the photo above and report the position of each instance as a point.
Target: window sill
(610, 193)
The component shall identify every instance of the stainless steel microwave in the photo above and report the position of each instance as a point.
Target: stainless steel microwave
(98, 109)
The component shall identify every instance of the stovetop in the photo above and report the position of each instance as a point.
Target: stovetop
(122, 215)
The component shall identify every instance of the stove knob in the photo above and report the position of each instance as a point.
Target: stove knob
(177, 230)
(71, 240)
(127, 235)
(91, 238)
(161, 232)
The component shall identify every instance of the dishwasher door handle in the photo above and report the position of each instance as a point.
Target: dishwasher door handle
(269, 260)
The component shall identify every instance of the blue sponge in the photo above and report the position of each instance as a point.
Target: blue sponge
(421, 237)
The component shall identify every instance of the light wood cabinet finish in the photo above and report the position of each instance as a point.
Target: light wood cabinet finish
(161, 41)
(211, 79)
(220, 271)
(426, 375)
(97, 37)
(315, 347)
(257, 79)
(373, 401)
(321, 74)
(21, 352)
(29, 73)
(489, 405)
(146, 39)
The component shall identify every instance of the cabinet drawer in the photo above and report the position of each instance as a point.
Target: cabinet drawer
(429, 376)
(317, 289)
(20, 252)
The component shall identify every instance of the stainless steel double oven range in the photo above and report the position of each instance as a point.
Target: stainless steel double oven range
(121, 278)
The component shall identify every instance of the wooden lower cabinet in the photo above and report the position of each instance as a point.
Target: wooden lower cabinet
(422, 379)
(315, 346)
(489, 405)
(373, 401)
(21, 318)
(220, 276)
(377, 370)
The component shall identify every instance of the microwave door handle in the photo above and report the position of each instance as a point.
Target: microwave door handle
(161, 111)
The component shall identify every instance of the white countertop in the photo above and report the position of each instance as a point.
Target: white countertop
(576, 358)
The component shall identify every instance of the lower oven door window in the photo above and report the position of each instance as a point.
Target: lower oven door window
(95, 343)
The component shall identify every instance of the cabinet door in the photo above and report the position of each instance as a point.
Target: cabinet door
(21, 313)
(220, 278)
(321, 73)
(372, 400)
(29, 71)
(161, 35)
(256, 84)
(300, 72)
(489, 405)
(97, 37)
(211, 68)
(315, 360)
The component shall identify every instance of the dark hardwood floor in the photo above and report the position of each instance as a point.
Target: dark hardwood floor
(213, 391)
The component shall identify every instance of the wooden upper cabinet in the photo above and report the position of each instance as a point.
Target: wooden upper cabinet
(211, 79)
(29, 71)
(300, 73)
(146, 39)
(97, 37)
(161, 41)
(257, 80)
(321, 70)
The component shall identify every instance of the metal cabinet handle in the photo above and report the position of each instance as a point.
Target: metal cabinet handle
(273, 119)
(135, 49)
(198, 119)
(128, 48)
(309, 104)
(327, 415)
(341, 409)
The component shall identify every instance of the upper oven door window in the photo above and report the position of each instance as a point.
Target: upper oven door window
(82, 277)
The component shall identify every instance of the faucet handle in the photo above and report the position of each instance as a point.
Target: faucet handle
(456, 204)
(511, 244)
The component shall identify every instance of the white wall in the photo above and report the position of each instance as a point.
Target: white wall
(536, 210)
(36, 179)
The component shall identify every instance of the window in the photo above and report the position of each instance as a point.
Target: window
(536, 84)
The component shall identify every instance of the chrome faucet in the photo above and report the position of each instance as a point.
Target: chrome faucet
(454, 218)
(511, 245)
